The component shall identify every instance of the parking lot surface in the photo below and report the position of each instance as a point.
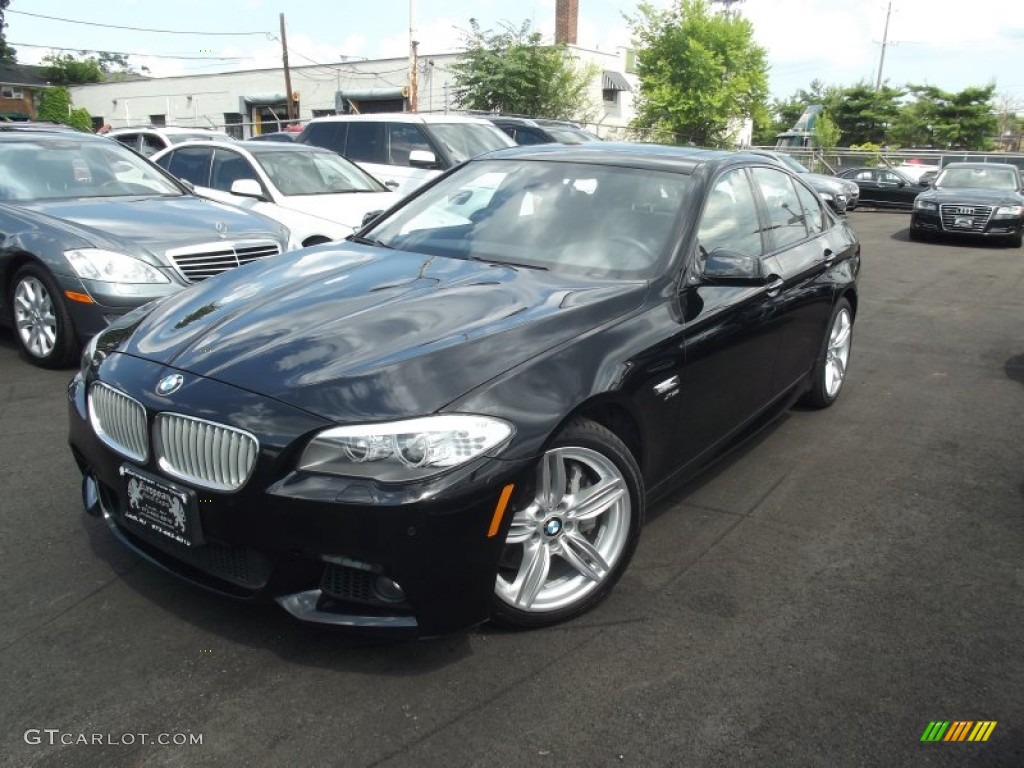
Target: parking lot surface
(817, 598)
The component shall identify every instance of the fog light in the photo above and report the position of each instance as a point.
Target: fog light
(388, 590)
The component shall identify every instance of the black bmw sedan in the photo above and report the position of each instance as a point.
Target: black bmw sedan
(462, 412)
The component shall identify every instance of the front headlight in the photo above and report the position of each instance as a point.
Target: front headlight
(112, 267)
(89, 356)
(400, 451)
(1008, 211)
(925, 205)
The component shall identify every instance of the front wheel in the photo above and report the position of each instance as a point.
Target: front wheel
(1015, 241)
(42, 323)
(570, 543)
(829, 372)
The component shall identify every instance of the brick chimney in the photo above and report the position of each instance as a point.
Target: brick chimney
(566, 16)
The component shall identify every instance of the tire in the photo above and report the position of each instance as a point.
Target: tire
(566, 548)
(1015, 241)
(830, 369)
(42, 323)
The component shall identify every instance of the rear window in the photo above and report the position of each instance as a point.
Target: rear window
(329, 135)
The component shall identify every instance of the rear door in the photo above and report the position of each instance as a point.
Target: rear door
(799, 255)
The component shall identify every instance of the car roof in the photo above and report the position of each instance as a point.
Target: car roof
(630, 154)
(165, 129)
(401, 117)
(979, 166)
(255, 147)
(49, 134)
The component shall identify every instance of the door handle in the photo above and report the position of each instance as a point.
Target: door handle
(391, 184)
(830, 257)
(774, 286)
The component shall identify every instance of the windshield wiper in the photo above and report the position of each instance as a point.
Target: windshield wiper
(506, 263)
(370, 241)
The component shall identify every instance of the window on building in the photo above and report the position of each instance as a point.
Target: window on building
(97, 122)
(233, 124)
(610, 96)
(158, 120)
(322, 112)
(10, 92)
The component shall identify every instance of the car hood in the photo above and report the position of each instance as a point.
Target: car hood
(348, 208)
(156, 223)
(972, 196)
(824, 183)
(352, 333)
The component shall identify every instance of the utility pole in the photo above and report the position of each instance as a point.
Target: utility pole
(287, 72)
(413, 43)
(885, 42)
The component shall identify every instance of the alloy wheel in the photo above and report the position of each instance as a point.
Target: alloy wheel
(837, 355)
(567, 541)
(34, 317)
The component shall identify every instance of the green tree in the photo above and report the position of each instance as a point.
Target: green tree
(826, 133)
(513, 73)
(864, 115)
(699, 72)
(948, 120)
(65, 69)
(55, 107)
(7, 54)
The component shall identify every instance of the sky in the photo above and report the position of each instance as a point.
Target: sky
(951, 44)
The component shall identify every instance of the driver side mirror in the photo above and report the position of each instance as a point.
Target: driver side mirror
(731, 268)
(188, 185)
(420, 158)
(247, 188)
(370, 216)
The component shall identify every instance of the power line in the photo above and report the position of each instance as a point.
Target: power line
(126, 53)
(134, 29)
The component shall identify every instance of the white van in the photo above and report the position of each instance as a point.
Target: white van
(405, 149)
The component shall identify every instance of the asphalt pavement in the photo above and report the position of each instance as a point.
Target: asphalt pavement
(817, 599)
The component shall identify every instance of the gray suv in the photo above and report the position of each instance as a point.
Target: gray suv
(842, 195)
(89, 231)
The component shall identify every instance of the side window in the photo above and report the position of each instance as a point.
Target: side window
(530, 136)
(785, 214)
(329, 135)
(813, 214)
(129, 139)
(366, 143)
(151, 145)
(192, 164)
(403, 138)
(730, 216)
(864, 175)
(165, 161)
(889, 178)
(229, 167)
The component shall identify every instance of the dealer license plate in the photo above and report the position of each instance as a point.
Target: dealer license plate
(161, 507)
(963, 221)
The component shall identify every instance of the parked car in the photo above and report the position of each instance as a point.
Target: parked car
(317, 194)
(974, 200)
(433, 423)
(524, 130)
(90, 230)
(286, 137)
(150, 139)
(405, 150)
(884, 187)
(842, 195)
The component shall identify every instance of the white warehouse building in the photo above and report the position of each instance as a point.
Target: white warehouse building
(250, 103)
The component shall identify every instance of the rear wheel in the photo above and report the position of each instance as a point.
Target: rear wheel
(571, 542)
(829, 372)
(42, 323)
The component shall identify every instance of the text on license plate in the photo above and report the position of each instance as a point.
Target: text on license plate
(161, 507)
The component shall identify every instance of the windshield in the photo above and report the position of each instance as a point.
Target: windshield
(73, 168)
(790, 163)
(570, 135)
(992, 177)
(466, 140)
(315, 173)
(598, 220)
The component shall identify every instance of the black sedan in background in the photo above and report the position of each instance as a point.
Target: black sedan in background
(884, 187)
(524, 131)
(974, 200)
(89, 230)
(462, 412)
(842, 195)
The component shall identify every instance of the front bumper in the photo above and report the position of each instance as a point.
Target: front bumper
(317, 545)
(108, 301)
(930, 222)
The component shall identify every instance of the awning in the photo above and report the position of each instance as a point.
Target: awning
(614, 81)
(265, 99)
(369, 94)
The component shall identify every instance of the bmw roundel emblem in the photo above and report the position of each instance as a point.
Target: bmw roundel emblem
(222, 228)
(168, 385)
